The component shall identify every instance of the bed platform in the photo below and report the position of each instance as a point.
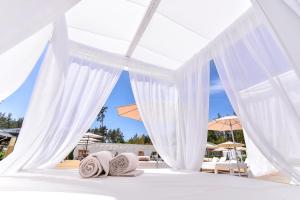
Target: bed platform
(154, 184)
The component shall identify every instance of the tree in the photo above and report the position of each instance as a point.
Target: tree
(239, 136)
(101, 116)
(6, 121)
(216, 137)
(20, 122)
(115, 136)
(219, 137)
(136, 139)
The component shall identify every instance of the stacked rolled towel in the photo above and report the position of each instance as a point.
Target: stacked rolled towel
(95, 165)
(124, 164)
(90, 167)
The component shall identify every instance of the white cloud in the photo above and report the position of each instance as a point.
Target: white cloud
(216, 87)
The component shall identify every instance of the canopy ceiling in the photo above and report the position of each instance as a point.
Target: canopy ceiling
(163, 33)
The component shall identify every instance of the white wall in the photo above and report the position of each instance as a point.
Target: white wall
(114, 147)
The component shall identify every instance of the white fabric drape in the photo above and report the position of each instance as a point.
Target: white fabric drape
(257, 163)
(175, 113)
(294, 5)
(20, 19)
(193, 88)
(264, 90)
(17, 63)
(284, 23)
(68, 94)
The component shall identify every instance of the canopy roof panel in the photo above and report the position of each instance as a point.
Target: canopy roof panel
(165, 33)
(105, 24)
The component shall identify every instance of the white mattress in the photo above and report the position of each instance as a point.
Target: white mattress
(154, 184)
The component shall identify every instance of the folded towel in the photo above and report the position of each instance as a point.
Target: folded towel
(104, 157)
(90, 167)
(123, 163)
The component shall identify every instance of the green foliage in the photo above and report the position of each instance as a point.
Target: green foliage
(2, 153)
(239, 136)
(71, 155)
(220, 137)
(139, 139)
(6, 121)
(115, 136)
(109, 136)
(100, 131)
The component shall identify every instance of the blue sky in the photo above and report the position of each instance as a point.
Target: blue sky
(122, 95)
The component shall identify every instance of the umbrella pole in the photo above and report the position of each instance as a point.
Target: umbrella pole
(236, 155)
(86, 146)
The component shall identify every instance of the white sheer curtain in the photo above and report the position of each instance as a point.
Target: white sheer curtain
(264, 90)
(193, 88)
(258, 164)
(68, 94)
(294, 5)
(20, 19)
(175, 112)
(63, 106)
(17, 62)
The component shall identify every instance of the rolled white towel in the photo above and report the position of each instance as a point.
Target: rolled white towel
(123, 163)
(90, 167)
(104, 157)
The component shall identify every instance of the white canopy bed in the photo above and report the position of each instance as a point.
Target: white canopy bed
(154, 184)
(166, 46)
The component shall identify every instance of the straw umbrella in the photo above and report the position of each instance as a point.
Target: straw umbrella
(228, 123)
(229, 145)
(210, 146)
(90, 137)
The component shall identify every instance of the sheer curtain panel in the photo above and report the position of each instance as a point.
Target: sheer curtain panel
(294, 5)
(264, 90)
(175, 112)
(17, 62)
(65, 101)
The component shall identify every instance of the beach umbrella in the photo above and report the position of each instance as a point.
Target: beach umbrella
(220, 149)
(229, 145)
(210, 145)
(241, 148)
(89, 139)
(84, 142)
(92, 135)
(129, 111)
(227, 123)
